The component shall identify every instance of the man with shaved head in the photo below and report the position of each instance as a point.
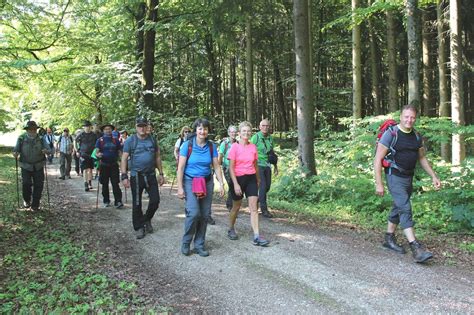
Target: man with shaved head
(264, 142)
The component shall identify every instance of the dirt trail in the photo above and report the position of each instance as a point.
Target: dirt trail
(305, 270)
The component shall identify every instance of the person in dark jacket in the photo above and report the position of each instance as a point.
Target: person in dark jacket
(108, 151)
(31, 149)
(86, 144)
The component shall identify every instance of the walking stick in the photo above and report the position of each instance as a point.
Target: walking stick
(98, 187)
(172, 183)
(17, 183)
(47, 185)
(126, 201)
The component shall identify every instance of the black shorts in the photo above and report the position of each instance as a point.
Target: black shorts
(248, 185)
(86, 162)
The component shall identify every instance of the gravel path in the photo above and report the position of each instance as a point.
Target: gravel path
(305, 270)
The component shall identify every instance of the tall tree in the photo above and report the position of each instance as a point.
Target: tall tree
(374, 68)
(304, 99)
(457, 111)
(428, 64)
(249, 70)
(149, 53)
(444, 110)
(356, 65)
(392, 62)
(413, 55)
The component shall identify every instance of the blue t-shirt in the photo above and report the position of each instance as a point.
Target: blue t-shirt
(143, 159)
(199, 163)
(109, 149)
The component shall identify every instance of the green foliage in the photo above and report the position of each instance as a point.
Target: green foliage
(345, 184)
(45, 270)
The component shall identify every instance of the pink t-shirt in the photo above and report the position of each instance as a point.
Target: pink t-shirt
(244, 157)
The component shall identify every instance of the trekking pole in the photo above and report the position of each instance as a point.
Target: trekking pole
(98, 187)
(172, 183)
(17, 183)
(125, 194)
(47, 185)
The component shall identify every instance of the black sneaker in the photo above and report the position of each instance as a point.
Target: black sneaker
(62, 177)
(211, 221)
(232, 235)
(140, 233)
(119, 205)
(267, 214)
(26, 205)
(185, 250)
(260, 241)
(69, 177)
(201, 252)
(391, 243)
(420, 254)
(106, 204)
(148, 227)
(86, 186)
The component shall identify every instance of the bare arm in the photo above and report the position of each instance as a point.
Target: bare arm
(159, 166)
(379, 155)
(123, 168)
(180, 174)
(427, 167)
(218, 171)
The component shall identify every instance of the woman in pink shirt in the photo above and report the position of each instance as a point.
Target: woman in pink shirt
(243, 168)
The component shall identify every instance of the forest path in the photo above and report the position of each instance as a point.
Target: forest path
(304, 270)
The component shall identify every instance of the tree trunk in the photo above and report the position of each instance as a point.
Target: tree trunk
(374, 68)
(280, 101)
(393, 104)
(304, 100)
(457, 112)
(149, 54)
(356, 68)
(413, 48)
(443, 75)
(233, 89)
(249, 72)
(428, 67)
(214, 73)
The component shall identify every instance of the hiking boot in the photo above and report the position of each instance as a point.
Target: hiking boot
(118, 205)
(391, 243)
(140, 233)
(267, 214)
(90, 185)
(185, 250)
(86, 186)
(260, 241)
(62, 177)
(201, 252)
(35, 208)
(106, 204)
(419, 253)
(232, 235)
(148, 227)
(211, 221)
(26, 205)
(69, 177)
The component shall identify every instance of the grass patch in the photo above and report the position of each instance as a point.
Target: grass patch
(45, 270)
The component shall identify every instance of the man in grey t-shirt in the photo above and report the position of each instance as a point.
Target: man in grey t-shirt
(141, 155)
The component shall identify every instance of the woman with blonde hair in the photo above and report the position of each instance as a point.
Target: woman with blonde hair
(243, 170)
(182, 137)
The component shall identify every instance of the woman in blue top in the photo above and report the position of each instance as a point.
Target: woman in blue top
(197, 164)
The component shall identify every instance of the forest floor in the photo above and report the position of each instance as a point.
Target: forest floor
(308, 268)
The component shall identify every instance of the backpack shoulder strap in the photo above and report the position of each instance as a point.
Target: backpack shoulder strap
(190, 149)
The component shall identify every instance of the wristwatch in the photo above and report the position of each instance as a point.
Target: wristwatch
(124, 176)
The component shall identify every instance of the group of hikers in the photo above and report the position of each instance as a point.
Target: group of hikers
(244, 160)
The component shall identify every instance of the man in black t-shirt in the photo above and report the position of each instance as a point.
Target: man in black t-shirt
(86, 144)
(408, 149)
